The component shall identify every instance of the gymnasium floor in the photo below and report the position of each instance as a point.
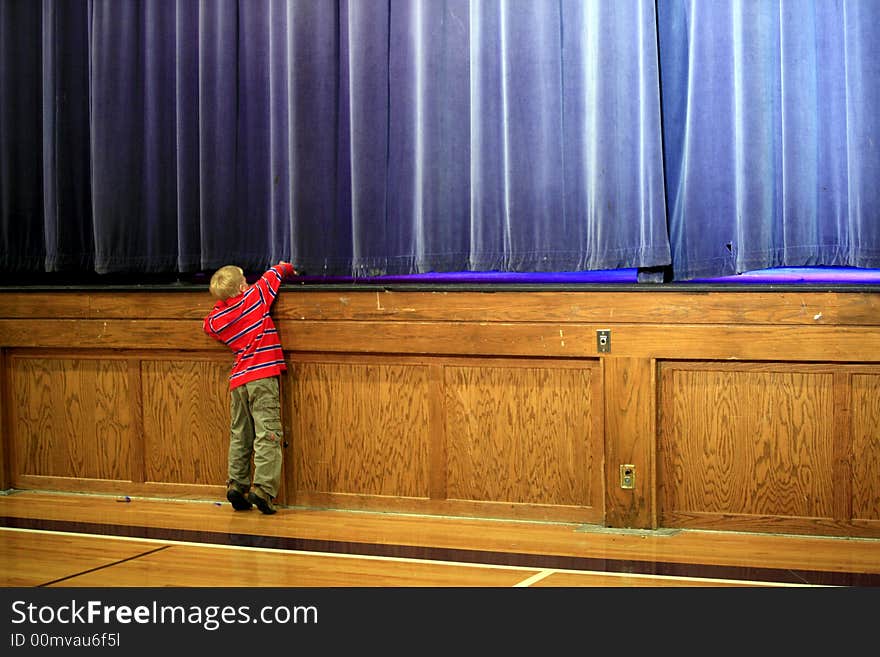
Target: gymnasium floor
(70, 540)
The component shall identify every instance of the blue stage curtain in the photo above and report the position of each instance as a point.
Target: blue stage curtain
(367, 137)
(352, 137)
(772, 133)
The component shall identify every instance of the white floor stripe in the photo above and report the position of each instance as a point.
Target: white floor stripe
(537, 577)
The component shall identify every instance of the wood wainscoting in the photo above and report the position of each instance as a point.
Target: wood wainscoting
(728, 408)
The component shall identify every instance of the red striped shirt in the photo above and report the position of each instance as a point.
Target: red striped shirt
(244, 325)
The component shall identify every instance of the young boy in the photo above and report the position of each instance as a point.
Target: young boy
(240, 319)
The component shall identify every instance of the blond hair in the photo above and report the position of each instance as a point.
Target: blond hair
(227, 281)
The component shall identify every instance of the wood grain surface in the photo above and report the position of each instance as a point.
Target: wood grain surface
(96, 543)
(750, 410)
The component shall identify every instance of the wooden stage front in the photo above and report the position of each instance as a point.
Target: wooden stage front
(708, 408)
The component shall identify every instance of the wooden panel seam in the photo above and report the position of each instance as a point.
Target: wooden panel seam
(6, 421)
(842, 447)
(137, 455)
(437, 447)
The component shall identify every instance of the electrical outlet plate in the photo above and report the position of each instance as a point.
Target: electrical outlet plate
(603, 341)
(628, 476)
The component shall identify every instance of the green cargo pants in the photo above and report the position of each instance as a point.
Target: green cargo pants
(256, 433)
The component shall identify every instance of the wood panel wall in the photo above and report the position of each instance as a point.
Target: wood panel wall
(731, 409)
(754, 444)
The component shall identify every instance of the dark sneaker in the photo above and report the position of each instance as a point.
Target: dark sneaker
(237, 498)
(262, 501)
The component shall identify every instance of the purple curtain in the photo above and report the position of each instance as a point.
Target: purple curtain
(351, 137)
(361, 138)
(772, 134)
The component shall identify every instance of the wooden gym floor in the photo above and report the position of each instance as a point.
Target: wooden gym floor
(78, 540)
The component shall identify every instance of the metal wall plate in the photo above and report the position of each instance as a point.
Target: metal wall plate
(628, 476)
(603, 341)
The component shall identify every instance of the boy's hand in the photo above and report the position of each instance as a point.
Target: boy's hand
(284, 262)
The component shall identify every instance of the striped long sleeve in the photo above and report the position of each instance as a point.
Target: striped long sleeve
(243, 324)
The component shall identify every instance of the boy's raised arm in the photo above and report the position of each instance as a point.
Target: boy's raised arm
(271, 280)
